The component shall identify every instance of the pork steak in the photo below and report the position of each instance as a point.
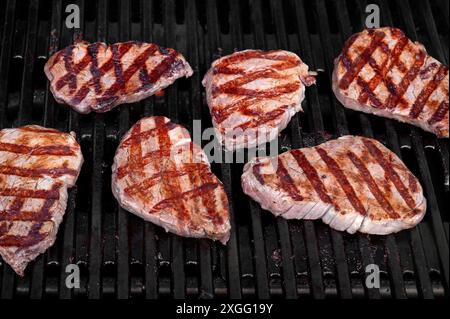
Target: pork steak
(351, 183)
(97, 77)
(381, 71)
(37, 165)
(253, 94)
(161, 176)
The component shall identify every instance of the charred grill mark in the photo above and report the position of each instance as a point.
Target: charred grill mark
(135, 157)
(254, 54)
(39, 130)
(30, 193)
(439, 114)
(14, 208)
(221, 113)
(268, 94)
(263, 118)
(334, 168)
(96, 74)
(34, 236)
(148, 158)
(355, 67)
(71, 78)
(287, 183)
(81, 94)
(60, 150)
(367, 93)
(209, 202)
(409, 77)
(391, 60)
(372, 185)
(313, 177)
(123, 76)
(282, 65)
(179, 197)
(18, 216)
(156, 178)
(37, 172)
(257, 173)
(423, 97)
(143, 77)
(238, 82)
(390, 173)
(163, 67)
(148, 133)
(170, 188)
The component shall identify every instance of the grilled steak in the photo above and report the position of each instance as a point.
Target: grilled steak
(37, 165)
(352, 183)
(97, 77)
(161, 176)
(381, 71)
(252, 95)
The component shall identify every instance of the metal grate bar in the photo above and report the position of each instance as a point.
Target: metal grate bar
(151, 274)
(233, 270)
(123, 268)
(204, 246)
(417, 143)
(95, 256)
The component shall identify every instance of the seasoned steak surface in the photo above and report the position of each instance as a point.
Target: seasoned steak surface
(381, 71)
(97, 77)
(161, 176)
(37, 165)
(352, 183)
(253, 94)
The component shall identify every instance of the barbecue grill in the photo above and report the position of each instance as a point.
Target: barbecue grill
(121, 256)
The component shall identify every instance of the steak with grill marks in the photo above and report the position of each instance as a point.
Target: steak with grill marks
(352, 183)
(381, 71)
(253, 94)
(161, 176)
(37, 165)
(97, 77)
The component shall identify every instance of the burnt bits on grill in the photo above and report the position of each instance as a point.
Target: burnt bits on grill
(252, 95)
(352, 183)
(381, 71)
(97, 77)
(37, 165)
(161, 176)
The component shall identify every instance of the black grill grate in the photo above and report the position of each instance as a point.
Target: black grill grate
(121, 256)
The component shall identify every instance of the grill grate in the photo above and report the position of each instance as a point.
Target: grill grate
(120, 256)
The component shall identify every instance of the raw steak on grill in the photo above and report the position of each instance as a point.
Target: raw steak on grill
(97, 77)
(381, 71)
(37, 165)
(161, 176)
(253, 94)
(352, 183)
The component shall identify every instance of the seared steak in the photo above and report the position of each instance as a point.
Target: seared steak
(37, 165)
(97, 77)
(161, 176)
(352, 183)
(252, 95)
(381, 71)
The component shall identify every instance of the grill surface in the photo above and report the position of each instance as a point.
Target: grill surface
(120, 256)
